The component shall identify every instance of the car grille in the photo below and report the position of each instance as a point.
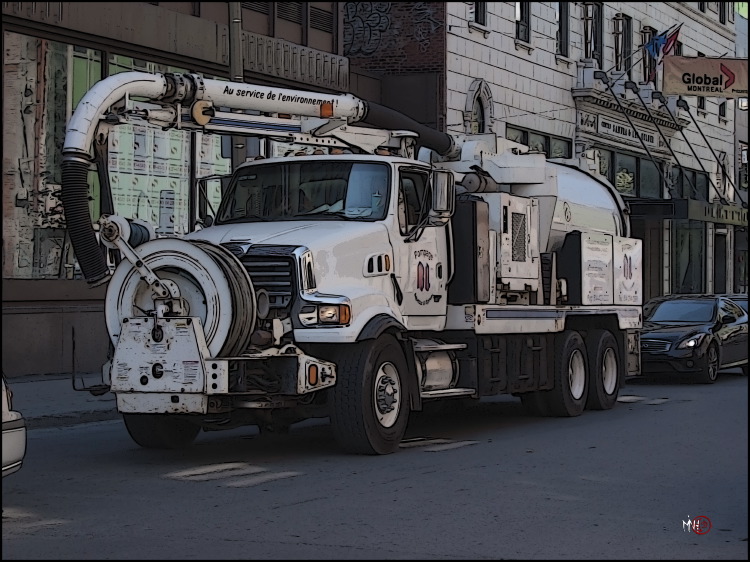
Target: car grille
(655, 346)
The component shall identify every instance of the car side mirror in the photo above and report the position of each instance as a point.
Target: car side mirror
(728, 319)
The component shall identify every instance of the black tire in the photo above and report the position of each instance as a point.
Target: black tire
(369, 403)
(710, 371)
(570, 372)
(161, 431)
(535, 403)
(605, 370)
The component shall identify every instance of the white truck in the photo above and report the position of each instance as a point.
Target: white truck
(416, 266)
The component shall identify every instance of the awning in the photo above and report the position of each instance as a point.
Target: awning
(686, 209)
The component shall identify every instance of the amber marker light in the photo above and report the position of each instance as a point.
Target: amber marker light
(326, 109)
(345, 314)
(312, 375)
(387, 262)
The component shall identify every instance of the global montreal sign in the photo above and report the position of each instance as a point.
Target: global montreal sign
(704, 76)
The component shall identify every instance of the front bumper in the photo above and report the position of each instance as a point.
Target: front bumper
(674, 360)
(177, 375)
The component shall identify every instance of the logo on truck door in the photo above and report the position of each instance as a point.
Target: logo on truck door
(425, 271)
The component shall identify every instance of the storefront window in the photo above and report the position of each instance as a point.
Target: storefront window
(650, 180)
(605, 164)
(42, 82)
(625, 174)
(688, 259)
(538, 143)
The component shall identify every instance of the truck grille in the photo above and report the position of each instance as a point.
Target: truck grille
(655, 346)
(270, 268)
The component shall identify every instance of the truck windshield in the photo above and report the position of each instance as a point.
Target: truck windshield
(307, 190)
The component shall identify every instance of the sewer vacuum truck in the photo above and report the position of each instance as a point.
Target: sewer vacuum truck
(397, 266)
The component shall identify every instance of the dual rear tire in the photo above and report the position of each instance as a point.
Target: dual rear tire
(585, 377)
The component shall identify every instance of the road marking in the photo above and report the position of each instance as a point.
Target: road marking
(261, 479)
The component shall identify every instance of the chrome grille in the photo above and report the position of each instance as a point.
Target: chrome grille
(271, 268)
(655, 346)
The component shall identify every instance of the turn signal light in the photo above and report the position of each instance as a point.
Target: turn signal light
(312, 375)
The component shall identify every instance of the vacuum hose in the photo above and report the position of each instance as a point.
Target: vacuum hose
(386, 118)
(75, 200)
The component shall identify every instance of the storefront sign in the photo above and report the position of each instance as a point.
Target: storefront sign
(717, 213)
(705, 76)
(625, 131)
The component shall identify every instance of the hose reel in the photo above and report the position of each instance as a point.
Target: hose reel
(209, 279)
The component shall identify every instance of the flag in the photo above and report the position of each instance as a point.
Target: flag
(663, 43)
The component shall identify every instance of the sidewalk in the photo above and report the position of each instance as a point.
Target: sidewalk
(51, 401)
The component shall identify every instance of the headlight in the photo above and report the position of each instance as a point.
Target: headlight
(336, 314)
(691, 342)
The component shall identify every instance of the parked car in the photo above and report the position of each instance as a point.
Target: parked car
(696, 335)
(14, 434)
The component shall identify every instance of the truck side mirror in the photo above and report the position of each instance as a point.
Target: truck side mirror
(443, 197)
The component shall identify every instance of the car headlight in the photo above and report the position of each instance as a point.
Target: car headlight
(333, 314)
(691, 342)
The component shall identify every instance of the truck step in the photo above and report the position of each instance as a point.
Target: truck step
(447, 392)
(432, 346)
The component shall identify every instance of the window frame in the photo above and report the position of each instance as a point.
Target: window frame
(523, 21)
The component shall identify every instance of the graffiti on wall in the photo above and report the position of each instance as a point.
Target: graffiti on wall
(370, 27)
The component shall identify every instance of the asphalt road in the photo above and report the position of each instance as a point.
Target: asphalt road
(482, 482)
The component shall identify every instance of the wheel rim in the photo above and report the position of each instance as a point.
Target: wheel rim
(387, 395)
(609, 371)
(576, 374)
(713, 363)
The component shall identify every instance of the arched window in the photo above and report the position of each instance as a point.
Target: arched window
(478, 111)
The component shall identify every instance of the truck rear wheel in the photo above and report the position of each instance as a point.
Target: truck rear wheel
(369, 406)
(569, 395)
(605, 370)
(161, 431)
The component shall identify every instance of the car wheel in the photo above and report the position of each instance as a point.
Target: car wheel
(711, 369)
(605, 370)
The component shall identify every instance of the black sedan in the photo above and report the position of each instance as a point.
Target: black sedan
(696, 335)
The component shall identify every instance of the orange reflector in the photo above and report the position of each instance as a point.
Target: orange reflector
(387, 262)
(326, 109)
(312, 375)
(344, 314)
(284, 115)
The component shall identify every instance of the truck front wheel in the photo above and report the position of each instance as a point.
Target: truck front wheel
(369, 405)
(161, 431)
(569, 395)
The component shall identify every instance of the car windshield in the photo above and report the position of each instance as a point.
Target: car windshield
(683, 311)
(307, 190)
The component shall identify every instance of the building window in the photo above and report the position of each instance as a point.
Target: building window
(723, 6)
(562, 34)
(523, 21)
(623, 43)
(593, 26)
(677, 49)
(688, 257)
(723, 110)
(480, 13)
(702, 6)
(649, 64)
(691, 184)
(631, 175)
(552, 147)
(701, 99)
(478, 113)
(743, 167)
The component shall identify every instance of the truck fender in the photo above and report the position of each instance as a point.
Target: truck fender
(381, 323)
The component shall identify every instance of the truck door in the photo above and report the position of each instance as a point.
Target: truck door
(423, 264)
